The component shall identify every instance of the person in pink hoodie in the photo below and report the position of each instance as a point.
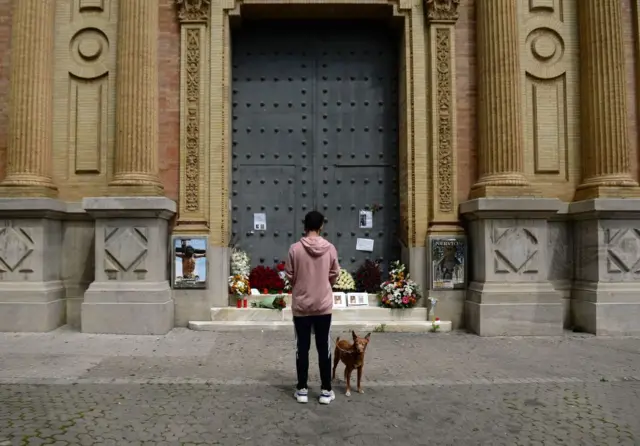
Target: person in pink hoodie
(312, 267)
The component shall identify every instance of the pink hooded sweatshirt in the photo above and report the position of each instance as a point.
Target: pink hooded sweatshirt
(312, 268)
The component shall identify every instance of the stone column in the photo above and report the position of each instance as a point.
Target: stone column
(606, 171)
(130, 293)
(136, 154)
(31, 103)
(500, 130)
(606, 208)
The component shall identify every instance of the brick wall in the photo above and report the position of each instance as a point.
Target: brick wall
(169, 89)
(169, 83)
(466, 97)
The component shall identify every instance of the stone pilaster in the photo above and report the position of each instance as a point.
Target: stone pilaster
(136, 153)
(441, 20)
(500, 130)
(606, 170)
(441, 17)
(194, 68)
(31, 110)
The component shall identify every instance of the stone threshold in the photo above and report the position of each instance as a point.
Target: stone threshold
(360, 326)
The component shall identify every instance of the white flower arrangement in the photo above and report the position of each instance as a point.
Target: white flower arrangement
(240, 263)
(345, 282)
(399, 291)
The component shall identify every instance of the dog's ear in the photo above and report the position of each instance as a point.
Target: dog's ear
(355, 336)
(367, 336)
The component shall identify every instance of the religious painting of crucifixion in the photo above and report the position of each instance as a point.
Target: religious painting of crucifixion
(189, 259)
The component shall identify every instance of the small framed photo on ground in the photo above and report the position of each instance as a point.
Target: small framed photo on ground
(358, 299)
(339, 300)
(189, 262)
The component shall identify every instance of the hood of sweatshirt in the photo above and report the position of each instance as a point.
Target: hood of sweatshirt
(315, 246)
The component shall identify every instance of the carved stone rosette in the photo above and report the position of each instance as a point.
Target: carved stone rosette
(193, 10)
(442, 11)
(194, 18)
(441, 17)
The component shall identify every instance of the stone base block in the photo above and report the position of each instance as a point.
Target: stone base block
(514, 310)
(607, 309)
(32, 307)
(353, 314)
(32, 316)
(510, 319)
(336, 327)
(128, 308)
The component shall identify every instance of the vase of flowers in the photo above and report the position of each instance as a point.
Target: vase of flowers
(239, 287)
(399, 291)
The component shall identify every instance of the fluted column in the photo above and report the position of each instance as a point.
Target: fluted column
(500, 131)
(31, 100)
(136, 157)
(605, 140)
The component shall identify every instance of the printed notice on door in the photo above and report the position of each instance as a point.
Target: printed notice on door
(260, 222)
(366, 219)
(364, 244)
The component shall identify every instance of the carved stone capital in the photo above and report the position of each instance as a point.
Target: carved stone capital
(193, 10)
(442, 11)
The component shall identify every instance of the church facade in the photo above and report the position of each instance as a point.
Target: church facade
(509, 127)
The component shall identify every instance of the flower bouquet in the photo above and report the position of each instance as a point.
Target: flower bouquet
(368, 277)
(239, 287)
(280, 267)
(240, 263)
(271, 302)
(399, 291)
(345, 282)
(267, 280)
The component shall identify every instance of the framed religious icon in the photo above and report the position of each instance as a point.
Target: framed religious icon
(448, 262)
(189, 262)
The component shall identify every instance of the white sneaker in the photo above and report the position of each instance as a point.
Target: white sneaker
(302, 396)
(326, 397)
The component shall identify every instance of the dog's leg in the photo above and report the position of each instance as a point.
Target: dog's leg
(336, 361)
(360, 379)
(347, 378)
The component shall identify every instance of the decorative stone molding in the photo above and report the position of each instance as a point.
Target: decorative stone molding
(441, 18)
(193, 206)
(84, 96)
(442, 11)
(193, 11)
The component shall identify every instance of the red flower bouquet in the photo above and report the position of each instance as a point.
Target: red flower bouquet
(266, 279)
(368, 277)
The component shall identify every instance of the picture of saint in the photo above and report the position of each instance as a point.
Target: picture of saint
(337, 300)
(352, 299)
(448, 263)
(190, 268)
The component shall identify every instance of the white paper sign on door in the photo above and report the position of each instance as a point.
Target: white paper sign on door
(366, 219)
(364, 244)
(260, 222)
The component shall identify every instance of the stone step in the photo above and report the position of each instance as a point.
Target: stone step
(349, 314)
(359, 326)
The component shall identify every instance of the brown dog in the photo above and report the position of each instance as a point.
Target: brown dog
(352, 355)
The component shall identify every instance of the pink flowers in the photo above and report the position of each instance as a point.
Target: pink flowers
(405, 300)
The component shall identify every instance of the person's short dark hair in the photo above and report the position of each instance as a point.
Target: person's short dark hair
(313, 221)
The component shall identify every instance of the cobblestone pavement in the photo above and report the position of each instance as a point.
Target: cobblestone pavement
(235, 389)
